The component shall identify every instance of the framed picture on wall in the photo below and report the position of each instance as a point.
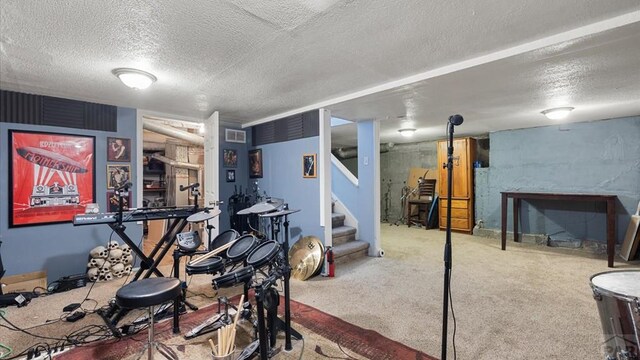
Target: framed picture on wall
(255, 163)
(231, 176)
(230, 158)
(118, 175)
(113, 202)
(51, 177)
(118, 149)
(309, 166)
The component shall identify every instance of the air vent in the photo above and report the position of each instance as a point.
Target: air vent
(235, 136)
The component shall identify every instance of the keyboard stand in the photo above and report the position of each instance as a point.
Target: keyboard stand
(148, 265)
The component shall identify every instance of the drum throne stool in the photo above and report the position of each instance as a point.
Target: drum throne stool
(149, 293)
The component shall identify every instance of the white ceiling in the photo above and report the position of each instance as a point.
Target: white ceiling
(599, 75)
(254, 60)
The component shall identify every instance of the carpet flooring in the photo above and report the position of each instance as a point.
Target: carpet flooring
(325, 337)
(529, 302)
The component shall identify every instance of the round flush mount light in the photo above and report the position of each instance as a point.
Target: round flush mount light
(407, 132)
(557, 113)
(134, 78)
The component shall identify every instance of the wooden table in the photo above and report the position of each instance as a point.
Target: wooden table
(609, 200)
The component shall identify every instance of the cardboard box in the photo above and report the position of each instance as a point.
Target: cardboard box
(24, 282)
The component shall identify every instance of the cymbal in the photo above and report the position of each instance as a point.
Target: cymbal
(268, 205)
(306, 257)
(203, 215)
(279, 213)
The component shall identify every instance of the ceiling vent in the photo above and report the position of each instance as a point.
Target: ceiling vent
(235, 136)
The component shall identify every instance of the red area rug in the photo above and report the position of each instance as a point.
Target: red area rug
(367, 343)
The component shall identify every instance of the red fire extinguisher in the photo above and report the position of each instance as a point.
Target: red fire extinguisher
(332, 265)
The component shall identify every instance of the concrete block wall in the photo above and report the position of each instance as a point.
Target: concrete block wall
(395, 165)
(589, 157)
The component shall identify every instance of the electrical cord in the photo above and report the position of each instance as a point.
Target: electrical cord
(301, 350)
(4, 349)
(78, 337)
(453, 314)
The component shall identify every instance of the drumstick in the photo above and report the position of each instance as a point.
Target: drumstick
(213, 348)
(235, 320)
(220, 342)
(213, 252)
(228, 341)
(233, 339)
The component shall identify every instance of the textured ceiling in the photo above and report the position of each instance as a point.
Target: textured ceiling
(251, 60)
(598, 75)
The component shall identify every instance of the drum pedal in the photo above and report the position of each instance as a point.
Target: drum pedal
(249, 351)
(211, 324)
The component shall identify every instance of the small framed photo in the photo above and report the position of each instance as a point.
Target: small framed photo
(309, 166)
(113, 202)
(255, 163)
(230, 158)
(118, 175)
(118, 149)
(231, 176)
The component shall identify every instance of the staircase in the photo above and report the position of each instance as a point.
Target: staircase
(345, 245)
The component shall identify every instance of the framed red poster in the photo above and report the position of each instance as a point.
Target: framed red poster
(51, 177)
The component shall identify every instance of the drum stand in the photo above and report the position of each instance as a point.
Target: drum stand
(406, 192)
(286, 274)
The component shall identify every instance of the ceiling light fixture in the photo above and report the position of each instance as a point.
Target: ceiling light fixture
(407, 132)
(133, 78)
(557, 113)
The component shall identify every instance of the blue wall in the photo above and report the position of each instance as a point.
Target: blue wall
(282, 178)
(368, 221)
(359, 199)
(345, 190)
(589, 157)
(242, 173)
(61, 249)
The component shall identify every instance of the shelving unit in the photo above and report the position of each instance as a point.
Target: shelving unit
(154, 182)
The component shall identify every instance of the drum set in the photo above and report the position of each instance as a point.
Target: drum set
(257, 262)
(617, 294)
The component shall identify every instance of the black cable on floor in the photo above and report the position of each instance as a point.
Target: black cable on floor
(453, 314)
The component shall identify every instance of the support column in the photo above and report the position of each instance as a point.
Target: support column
(324, 172)
(369, 184)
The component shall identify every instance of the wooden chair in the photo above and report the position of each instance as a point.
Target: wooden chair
(426, 192)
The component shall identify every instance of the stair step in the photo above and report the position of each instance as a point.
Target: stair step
(337, 220)
(343, 234)
(350, 250)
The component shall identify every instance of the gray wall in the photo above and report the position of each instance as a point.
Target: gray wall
(394, 167)
(591, 157)
(351, 164)
(242, 173)
(61, 249)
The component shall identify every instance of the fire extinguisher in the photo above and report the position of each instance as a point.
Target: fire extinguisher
(332, 265)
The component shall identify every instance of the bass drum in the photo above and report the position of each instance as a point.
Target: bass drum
(617, 294)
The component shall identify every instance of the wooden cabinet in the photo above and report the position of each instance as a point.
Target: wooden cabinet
(462, 214)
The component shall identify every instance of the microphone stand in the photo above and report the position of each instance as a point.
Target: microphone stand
(447, 245)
